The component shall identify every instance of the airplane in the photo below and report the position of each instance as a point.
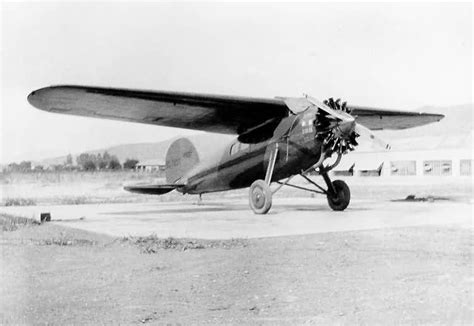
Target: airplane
(276, 138)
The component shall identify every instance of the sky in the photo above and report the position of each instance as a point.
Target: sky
(393, 55)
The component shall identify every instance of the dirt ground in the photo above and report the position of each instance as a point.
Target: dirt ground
(416, 275)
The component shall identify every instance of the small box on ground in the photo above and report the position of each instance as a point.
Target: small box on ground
(45, 217)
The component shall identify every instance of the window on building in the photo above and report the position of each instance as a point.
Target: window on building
(437, 167)
(403, 168)
(369, 168)
(466, 167)
(346, 172)
(369, 173)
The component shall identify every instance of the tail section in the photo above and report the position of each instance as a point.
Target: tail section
(151, 189)
(180, 158)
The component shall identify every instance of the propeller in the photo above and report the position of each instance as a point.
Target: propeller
(338, 129)
(337, 105)
(364, 131)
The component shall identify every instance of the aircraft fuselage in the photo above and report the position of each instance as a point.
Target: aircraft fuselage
(242, 163)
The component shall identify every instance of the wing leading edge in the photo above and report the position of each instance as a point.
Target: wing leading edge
(212, 113)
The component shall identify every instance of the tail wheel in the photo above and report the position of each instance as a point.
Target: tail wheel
(340, 200)
(260, 197)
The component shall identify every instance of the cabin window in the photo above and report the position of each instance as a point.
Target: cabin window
(239, 148)
(244, 147)
(234, 149)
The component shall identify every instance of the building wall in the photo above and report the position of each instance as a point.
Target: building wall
(150, 168)
(445, 162)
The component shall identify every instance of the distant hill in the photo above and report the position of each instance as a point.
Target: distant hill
(455, 130)
(147, 151)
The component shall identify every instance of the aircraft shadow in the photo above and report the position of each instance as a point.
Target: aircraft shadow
(277, 209)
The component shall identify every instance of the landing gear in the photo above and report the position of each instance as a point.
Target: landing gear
(337, 192)
(260, 194)
(260, 197)
(339, 200)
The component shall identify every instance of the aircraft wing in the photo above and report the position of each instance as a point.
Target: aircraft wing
(381, 119)
(372, 118)
(213, 113)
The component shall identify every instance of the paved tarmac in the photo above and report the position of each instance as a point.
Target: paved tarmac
(233, 218)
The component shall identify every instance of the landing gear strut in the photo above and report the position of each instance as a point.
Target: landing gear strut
(337, 192)
(260, 194)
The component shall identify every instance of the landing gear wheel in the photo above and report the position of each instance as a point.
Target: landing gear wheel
(260, 197)
(341, 199)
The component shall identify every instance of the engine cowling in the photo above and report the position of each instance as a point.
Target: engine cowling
(337, 136)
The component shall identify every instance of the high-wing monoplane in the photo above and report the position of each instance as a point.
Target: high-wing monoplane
(276, 139)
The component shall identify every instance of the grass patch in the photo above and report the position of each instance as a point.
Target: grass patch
(76, 200)
(12, 223)
(18, 202)
(152, 244)
(66, 241)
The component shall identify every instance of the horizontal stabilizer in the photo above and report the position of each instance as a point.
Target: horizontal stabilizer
(152, 189)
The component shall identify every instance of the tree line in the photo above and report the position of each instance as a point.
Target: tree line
(84, 162)
(104, 161)
(92, 162)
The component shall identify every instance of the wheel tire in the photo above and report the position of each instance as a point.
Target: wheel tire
(342, 198)
(260, 197)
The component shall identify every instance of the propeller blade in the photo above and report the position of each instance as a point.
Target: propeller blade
(364, 131)
(335, 113)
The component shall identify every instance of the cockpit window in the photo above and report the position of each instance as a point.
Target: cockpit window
(234, 149)
(238, 147)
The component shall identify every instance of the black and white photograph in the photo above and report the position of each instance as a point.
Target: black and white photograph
(236, 163)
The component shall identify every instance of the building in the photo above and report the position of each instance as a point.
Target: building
(443, 149)
(150, 166)
(455, 162)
